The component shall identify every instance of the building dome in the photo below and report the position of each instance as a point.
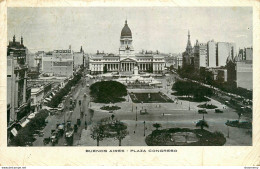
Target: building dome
(126, 31)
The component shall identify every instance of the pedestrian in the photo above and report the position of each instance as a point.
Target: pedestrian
(163, 114)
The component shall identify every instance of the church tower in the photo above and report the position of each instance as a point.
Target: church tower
(126, 40)
(189, 47)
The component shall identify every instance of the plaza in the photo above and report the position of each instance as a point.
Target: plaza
(177, 114)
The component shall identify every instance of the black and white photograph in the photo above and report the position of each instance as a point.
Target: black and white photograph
(129, 76)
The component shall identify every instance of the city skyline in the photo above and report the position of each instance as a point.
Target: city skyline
(99, 28)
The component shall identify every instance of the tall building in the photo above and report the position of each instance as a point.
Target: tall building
(18, 95)
(58, 63)
(126, 60)
(212, 54)
(248, 53)
(78, 58)
(187, 56)
(200, 55)
(244, 74)
(240, 69)
(225, 50)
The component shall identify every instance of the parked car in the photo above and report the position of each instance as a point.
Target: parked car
(218, 111)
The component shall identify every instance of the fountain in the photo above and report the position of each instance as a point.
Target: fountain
(138, 81)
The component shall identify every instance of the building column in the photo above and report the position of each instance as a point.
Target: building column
(24, 87)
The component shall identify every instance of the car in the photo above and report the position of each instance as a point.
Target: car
(87, 85)
(218, 111)
(85, 94)
(41, 134)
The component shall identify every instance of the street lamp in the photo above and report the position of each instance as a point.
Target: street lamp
(136, 114)
(64, 116)
(85, 121)
(144, 128)
(228, 132)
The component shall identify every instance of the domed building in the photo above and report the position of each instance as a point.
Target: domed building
(126, 40)
(126, 59)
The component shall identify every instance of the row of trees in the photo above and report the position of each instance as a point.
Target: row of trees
(206, 77)
(25, 135)
(56, 100)
(188, 88)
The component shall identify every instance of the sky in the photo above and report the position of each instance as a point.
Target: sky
(153, 28)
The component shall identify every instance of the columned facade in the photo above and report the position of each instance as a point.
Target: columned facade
(126, 60)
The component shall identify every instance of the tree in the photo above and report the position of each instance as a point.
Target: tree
(157, 125)
(97, 133)
(121, 131)
(108, 91)
(202, 124)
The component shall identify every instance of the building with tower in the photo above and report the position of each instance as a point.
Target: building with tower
(126, 59)
(78, 58)
(187, 56)
(18, 95)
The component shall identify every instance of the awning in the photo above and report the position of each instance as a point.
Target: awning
(25, 123)
(31, 116)
(48, 99)
(14, 132)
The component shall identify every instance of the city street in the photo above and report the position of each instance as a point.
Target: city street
(60, 117)
(182, 114)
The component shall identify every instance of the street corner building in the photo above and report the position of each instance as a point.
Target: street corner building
(18, 94)
(126, 59)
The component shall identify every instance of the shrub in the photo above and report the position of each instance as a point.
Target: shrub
(110, 108)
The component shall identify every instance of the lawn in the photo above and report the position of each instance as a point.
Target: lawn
(150, 98)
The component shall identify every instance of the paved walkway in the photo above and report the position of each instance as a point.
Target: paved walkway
(183, 114)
